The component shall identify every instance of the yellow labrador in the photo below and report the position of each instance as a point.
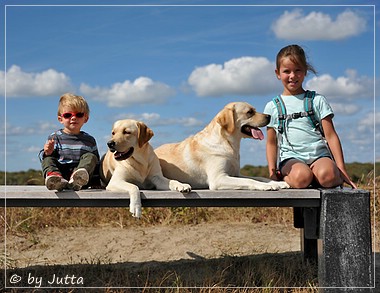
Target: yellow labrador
(131, 164)
(211, 158)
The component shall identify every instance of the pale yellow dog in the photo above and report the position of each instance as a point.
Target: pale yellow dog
(131, 164)
(211, 158)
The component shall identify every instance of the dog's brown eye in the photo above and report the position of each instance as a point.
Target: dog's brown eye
(113, 132)
(126, 132)
(251, 112)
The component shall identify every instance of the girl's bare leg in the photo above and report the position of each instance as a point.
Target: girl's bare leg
(326, 173)
(297, 174)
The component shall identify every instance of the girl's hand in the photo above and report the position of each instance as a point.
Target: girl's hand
(273, 177)
(49, 147)
(347, 179)
(276, 176)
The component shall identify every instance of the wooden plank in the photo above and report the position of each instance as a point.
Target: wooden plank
(40, 196)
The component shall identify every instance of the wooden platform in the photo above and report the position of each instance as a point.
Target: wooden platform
(40, 196)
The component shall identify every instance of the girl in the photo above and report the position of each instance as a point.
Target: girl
(304, 157)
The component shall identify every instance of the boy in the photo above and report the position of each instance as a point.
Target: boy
(70, 155)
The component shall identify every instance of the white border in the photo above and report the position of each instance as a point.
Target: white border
(188, 5)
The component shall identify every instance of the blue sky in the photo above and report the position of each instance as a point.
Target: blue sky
(175, 67)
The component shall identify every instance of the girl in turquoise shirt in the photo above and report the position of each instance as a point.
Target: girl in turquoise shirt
(303, 155)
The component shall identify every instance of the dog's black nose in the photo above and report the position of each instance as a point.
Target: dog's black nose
(111, 144)
(267, 117)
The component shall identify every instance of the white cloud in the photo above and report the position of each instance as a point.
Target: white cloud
(38, 128)
(345, 108)
(30, 84)
(360, 137)
(370, 121)
(155, 119)
(241, 76)
(318, 26)
(33, 149)
(346, 87)
(142, 91)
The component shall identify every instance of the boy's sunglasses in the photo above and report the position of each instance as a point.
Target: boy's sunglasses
(68, 115)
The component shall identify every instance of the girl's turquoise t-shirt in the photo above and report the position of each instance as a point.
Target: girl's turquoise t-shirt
(302, 141)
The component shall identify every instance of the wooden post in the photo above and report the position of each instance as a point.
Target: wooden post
(307, 220)
(310, 233)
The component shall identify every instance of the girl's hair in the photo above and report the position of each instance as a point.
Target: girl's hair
(76, 103)
(297, 55)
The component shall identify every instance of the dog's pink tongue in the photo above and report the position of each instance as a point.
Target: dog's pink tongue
(257, 134)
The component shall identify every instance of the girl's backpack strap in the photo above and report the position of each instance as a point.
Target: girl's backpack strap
(308, 106)
(281, 109)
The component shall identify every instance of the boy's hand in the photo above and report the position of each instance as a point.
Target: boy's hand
(49, 147)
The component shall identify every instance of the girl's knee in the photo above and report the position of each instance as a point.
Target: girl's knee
(329, 177)
(300, 178)
(326, 173)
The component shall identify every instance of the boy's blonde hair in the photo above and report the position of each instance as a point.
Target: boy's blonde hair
(75, 102)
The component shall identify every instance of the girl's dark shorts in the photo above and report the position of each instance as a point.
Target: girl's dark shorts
(282, 163)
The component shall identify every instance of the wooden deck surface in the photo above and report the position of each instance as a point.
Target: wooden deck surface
(40, 196)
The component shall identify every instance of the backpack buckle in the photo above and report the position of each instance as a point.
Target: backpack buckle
(296, 115)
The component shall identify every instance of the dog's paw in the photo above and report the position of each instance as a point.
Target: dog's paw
(178, 186)
(135, 201)
(283, 184)
(186, 188)
(279, 184)
(265, 187)
(270, 188)
(135, 210)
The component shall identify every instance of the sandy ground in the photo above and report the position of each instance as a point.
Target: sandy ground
(160, 243)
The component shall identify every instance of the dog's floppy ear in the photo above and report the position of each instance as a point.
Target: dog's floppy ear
(226, 119)
(144, 134)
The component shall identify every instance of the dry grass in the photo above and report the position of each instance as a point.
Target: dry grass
(271, 272)
(29, 220)
(227, 274)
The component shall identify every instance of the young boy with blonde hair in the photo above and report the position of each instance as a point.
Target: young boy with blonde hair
(70, 155)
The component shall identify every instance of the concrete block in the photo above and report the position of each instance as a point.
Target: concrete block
(345, 261)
